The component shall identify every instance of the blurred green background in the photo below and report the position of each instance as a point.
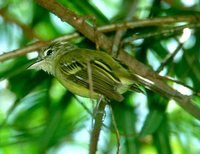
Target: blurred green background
(38, 115)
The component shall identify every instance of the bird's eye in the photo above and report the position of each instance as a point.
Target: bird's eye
(48, 52)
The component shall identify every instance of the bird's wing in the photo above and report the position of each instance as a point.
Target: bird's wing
(103, 80)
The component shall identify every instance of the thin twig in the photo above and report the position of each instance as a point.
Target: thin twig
(22, 51)
(88, 110)
(84, 106)
(196, 92)
(95, 30)
(190, 61)
(169, 58)
(116, 129)
(166, 31)
(98, 117)
(121, 31)
(116, 42)
(90, 81)
(160, 21)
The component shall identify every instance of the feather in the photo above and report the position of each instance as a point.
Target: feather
(103, 80)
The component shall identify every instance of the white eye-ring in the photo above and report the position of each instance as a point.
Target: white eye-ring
(48, 52)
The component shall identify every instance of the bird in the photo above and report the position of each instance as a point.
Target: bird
(71, 65)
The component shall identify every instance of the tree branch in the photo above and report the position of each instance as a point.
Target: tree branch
(22, 51)
(98, 118)
(34, 47)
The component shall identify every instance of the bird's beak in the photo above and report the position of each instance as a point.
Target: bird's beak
(37, 65)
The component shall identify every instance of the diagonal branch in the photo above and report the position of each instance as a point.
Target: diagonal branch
(169, 58)
(77, 21)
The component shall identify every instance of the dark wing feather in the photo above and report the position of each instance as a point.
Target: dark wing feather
(104, 82)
